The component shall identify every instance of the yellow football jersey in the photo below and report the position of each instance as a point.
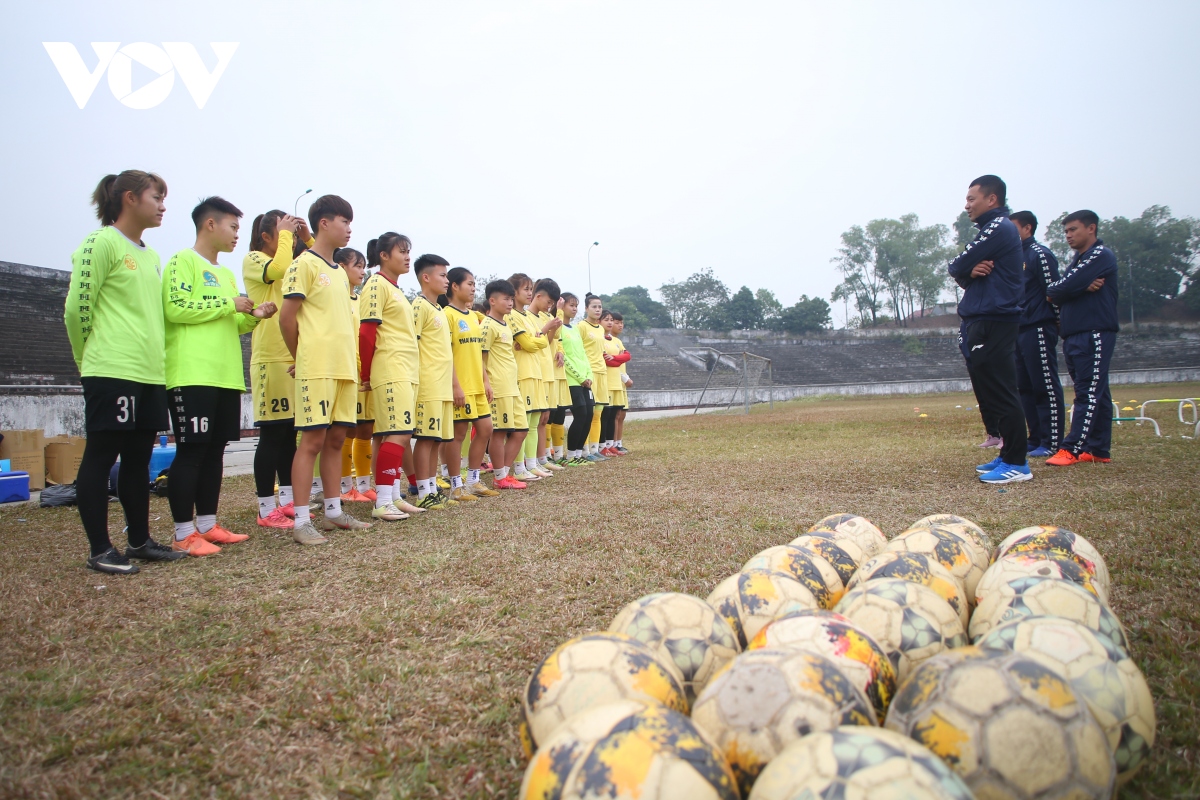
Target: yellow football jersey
(466, 341)
(263, 276)
(327, 346)
(550, 371)
(593, 345)
(436, 360)
(383, 304)
(612, 346)
(525, 328)
(620, 347)
(502, 363)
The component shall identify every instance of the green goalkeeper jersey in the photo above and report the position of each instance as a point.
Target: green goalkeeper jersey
(202, 325)
(113, 313)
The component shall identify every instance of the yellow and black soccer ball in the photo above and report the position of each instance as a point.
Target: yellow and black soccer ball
(920, 568)
(817, 574)
(1037, 564)
(961, 527)
(857, 529)
(1058, 540)
(842, 554)
(963, 561)
(1046, 597)
(752, 598)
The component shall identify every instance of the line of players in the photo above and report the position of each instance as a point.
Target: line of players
(332, 354)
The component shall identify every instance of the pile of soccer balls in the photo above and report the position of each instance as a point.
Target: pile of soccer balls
(839, 666)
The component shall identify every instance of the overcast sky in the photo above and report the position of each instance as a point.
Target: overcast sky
(509, 136)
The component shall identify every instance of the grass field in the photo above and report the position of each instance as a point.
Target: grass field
(391, 662)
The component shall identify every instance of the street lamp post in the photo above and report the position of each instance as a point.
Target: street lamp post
(296, 205)
(590, 267)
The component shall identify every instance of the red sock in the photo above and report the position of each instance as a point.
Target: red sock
(387, 466)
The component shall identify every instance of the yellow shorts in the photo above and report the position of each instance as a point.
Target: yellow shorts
(618, 398)
(321, 402)
(365, 412)
(532, 394)
(549, 395)
(394, 408)
(476, 407)
(274, 392)
(600, 389)
(508, 414)
(435, 420)
(564, 393)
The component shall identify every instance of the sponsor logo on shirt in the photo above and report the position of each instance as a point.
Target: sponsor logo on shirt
(463, 326)
(210, 279)
(130, 263)
(323, 279)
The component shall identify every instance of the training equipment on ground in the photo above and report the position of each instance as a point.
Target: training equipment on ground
(768, 698)
(962, 560)
(910, 621)
(684, 629)
(919, 568)
(1009, 726)
(860, 763)
(628, 749)
(1047, 597)
(1058, 540)
(751, 599)
(961, 527)
(817, 574)
(1040, 564)
(841, 553)
(1103, 676)
(855, 528)
(849, 647)
(591, 670)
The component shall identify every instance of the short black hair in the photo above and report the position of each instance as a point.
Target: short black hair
(616, 315)
(990, 184)
(606, 313)
(550, 287)
(1085, 216)
(499, 287)
(1025, 218)
(328, 206)
(429, 261)
(212, 207)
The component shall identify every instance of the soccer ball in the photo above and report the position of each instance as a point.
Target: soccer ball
(970, 533)
(1058, 540)
(842, 554)
(1047, 597)
(1039, 564)
(856, 529)
(951, 519)
(910, 621)
(683, 629)
(591, 670)
(950, 551)
(857, 762)
(1103, 676)
(856, 654)
(768, 698)
(817, 574)
(752, 598)
(1009, 726)
(918, 568)
(628, 748)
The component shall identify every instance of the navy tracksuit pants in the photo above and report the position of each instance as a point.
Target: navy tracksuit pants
(1038, 383)
(1088, 355)
(989, 347)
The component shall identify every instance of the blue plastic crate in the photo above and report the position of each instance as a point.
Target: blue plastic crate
(14, 486)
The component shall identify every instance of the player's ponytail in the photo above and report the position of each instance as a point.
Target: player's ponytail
(454, 277)
(347, 257)
(109, 195)
(267, 223)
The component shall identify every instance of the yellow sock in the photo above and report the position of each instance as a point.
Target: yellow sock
(594, 432)
(558, 435)
(347, 457)
(362, 458)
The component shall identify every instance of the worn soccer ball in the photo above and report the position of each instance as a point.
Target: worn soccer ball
(949, 550)
(768, 698)
(752, 598)
(1008, 725)
(683, 629)
(842, 554)
(920, 568)
(817, 574)
(963, 528)
(1103, 676)
(857, 762)
(910, 621)
(1047, 597)
(1036, 564)
(1058, 540)
(855, 528)
(628, 749)
(592, 670)
(856, 654)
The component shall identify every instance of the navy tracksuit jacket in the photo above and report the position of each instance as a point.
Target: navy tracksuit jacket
(1037, 351)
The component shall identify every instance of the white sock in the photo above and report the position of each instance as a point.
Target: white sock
(399, 489)
(333, 507)
(608, 445)
(531, 464)
(560, 452)
(347, 485)
(443, 471)
(423, 487)
(456, 482)
(618, 443)
(285, 495)
(472, 477)
(206, 522)
(577, 454)
(383, 495)
(318, 486)
(362, 484)
(499, 473)
(184, 530)
(265, 506)
(302, 515)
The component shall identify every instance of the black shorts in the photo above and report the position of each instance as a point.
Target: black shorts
(581, 396)
(114, 404)
(202, 414)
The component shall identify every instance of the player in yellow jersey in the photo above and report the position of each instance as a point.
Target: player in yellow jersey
(509, 423)
(545, 306)
(317, 322)
(592, 334)
(528, 342)
(437, 386)
(615, 357)
(356, 450)
(627, 383)
(473, 397)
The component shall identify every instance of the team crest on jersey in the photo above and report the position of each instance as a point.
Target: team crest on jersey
(397, 296)
(463, 326)
(210, 279)
(323, 279)
(130, 263)
(437, 322)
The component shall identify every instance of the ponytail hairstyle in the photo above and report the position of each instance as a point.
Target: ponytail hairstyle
(348, 257)
(264, 223)
(385, 244)
(109, 196)
(588, 298)
(519, 279)
(550, 287)
(454, 277)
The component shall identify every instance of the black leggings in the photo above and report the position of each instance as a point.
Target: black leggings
(273, 457)
(557, 416)
(133, 485)
(581, 418)
(608, 423)
(195, 479)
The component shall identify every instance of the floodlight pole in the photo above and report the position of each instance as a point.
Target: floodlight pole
(296, 205)
(1131, 293)
(590, 266)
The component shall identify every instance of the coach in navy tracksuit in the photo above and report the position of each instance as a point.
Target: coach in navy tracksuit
(991, 272)
(1087, 297)
(1037, 345)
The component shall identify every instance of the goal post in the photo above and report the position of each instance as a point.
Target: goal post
(749, 370)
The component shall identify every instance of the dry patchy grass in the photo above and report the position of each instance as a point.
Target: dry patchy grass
(391, 662)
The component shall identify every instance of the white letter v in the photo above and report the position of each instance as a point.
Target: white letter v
(196, 77)
(80, 83)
